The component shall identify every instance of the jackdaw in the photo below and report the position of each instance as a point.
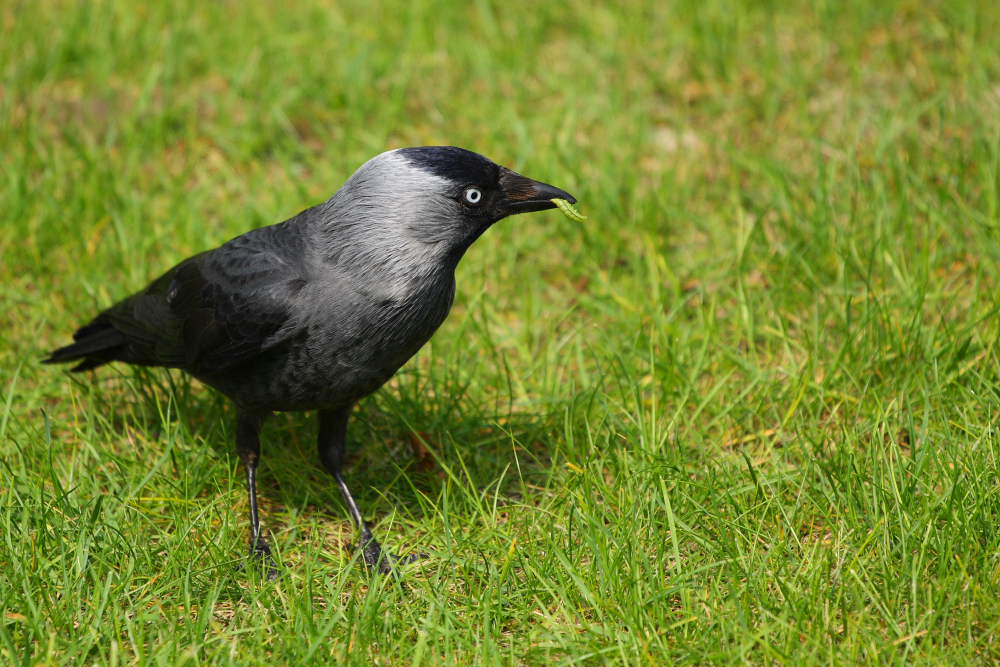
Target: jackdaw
(316, 312)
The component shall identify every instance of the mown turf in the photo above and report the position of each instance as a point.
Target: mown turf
(746, 412)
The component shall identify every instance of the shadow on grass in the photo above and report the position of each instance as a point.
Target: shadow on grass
(480, 453)
(401, 442)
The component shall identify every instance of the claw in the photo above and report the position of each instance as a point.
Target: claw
(378, 560)
(260, 551)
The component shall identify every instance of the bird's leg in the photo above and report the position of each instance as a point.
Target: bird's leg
(332, 446)
(248, 448)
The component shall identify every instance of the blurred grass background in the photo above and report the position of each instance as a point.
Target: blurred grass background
(746, 412)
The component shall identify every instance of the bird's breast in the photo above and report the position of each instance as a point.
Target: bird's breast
(397, 323)
(360, 342)
(350, 341)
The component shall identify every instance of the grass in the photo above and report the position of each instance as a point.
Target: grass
(747, 412)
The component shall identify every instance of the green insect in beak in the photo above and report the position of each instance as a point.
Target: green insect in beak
(569, 210)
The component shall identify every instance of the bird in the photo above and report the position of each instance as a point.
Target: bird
(319, 311)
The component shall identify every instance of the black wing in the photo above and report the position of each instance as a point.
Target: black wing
(209, 313)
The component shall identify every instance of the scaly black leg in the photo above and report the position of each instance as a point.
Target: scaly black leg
(332, 446)
(248, 448)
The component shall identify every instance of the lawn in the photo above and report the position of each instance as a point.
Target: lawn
(746, 412)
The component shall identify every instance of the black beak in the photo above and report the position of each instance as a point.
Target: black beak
(525, 195)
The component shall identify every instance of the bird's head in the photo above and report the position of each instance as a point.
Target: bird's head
(440, 196)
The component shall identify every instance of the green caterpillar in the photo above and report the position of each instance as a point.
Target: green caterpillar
(569, 210)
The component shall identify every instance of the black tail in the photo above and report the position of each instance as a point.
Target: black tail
(95, 344)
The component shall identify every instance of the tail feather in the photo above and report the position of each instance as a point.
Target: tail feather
(94, 344)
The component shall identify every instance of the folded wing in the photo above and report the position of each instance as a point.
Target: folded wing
(210, 313)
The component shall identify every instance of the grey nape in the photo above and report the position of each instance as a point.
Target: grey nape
(318, 311)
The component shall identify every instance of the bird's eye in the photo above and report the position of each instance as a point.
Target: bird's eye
(473, 196)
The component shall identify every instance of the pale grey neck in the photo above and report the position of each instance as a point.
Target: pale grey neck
(377, 250)
(390, 222)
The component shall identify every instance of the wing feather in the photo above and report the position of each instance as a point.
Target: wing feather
(219, 309)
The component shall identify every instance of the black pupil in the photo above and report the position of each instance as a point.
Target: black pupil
(472, 196)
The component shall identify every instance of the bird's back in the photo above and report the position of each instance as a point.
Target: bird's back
(274, 320)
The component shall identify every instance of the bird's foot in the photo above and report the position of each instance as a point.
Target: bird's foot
(377, 560)
(260, 553)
